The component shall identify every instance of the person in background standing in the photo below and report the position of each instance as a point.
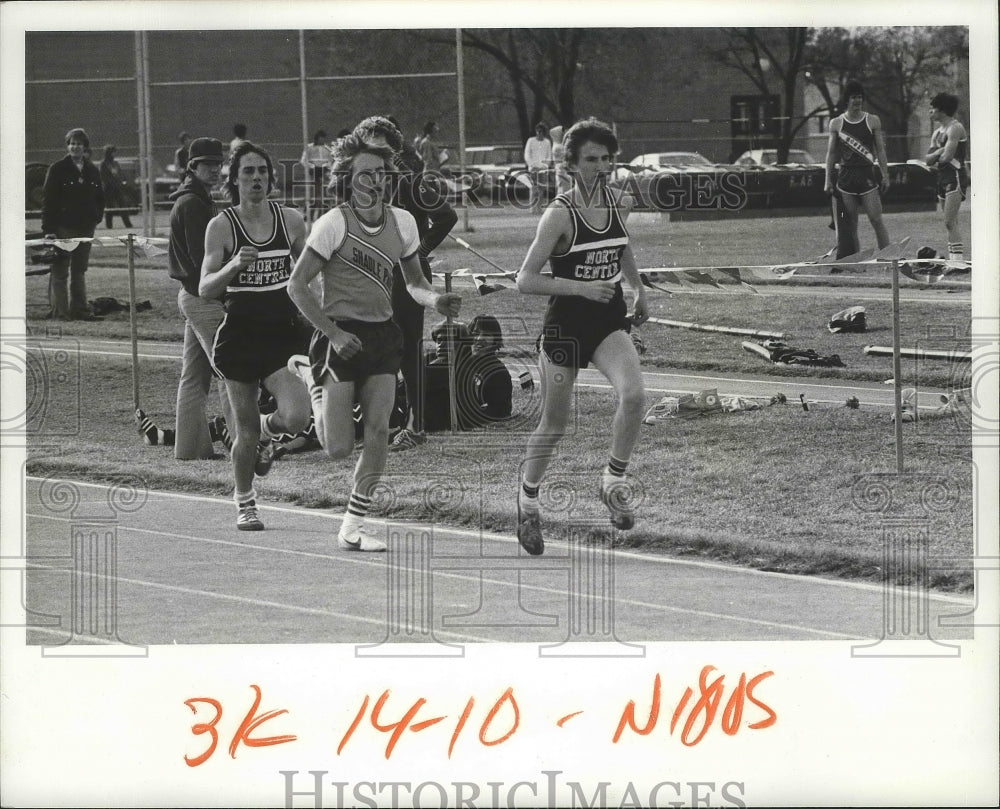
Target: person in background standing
(429, 149)
(538, 157)
(316, 158)
(857, 145)
(948, 153)
(193, 210)
(181, 155)
(74, 205)
(239, 136)
(117, 193)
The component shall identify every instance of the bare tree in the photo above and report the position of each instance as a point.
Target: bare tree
(542, 65)
(773, 59)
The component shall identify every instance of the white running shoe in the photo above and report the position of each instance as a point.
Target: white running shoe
(359, 539)
(299, 365)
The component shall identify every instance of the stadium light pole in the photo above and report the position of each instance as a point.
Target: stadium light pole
(460, 71)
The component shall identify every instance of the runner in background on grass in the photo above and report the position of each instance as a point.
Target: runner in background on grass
(582, 236)
(356, 349)
(856, 145)
(948, 152)
(249, 251)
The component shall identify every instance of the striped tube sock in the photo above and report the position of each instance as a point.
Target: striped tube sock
(152, 434)
(616, 467)
(357, 510)
(528, 499)
(956, 251)
(358, 505)
(225, 437)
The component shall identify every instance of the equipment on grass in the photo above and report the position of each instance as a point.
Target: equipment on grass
(851, 319)
(680, 324)
(920, 353)
(781, 354)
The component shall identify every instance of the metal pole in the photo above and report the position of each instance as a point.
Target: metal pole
(140, 104)
(150, 171)
(452, 361)
(460, 70)
(305, 118)
(897, 371)
(133, 325)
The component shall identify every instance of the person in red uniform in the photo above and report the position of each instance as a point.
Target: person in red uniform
(856, 145)
(582, 236)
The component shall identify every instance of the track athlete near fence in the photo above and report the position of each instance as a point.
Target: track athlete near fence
(948, 152)
(582, 235)
(857, 145)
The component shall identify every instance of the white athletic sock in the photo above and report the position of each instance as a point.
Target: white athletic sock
(956, 251)
(245, 497)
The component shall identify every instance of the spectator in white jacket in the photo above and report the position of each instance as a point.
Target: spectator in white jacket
(538, 157)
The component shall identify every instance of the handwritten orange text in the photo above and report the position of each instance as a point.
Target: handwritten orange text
(242, 735)
(499, 724)
(702, 713)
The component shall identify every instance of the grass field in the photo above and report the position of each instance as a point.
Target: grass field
(776, 489)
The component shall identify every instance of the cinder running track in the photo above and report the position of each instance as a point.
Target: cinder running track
(170, 568)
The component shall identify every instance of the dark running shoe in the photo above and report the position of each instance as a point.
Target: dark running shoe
(265, 457)
(616, 494)
(529, 529)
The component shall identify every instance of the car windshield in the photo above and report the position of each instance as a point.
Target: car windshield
(770, 157)
(683, 159)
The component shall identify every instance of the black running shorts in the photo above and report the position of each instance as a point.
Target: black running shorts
(250, 351)
(950, 179)
(574, 327)
(381, 352)
(856, 179)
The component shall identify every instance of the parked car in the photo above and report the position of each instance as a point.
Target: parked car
(492, 170)
(769, 157)
(657, 161)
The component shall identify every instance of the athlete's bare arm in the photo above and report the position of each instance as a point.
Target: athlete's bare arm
(448, 303)
(831, 153)
(216, 275)
(883, 163)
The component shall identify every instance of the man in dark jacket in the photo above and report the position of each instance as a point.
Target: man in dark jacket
(74, 204)
(189, 218)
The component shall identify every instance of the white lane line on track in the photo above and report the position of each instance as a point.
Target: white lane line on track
(259, 602)
(559, 593)
(597, 385)
(501, 538)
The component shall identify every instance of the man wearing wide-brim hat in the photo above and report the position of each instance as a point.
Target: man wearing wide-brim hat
(189, 218)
